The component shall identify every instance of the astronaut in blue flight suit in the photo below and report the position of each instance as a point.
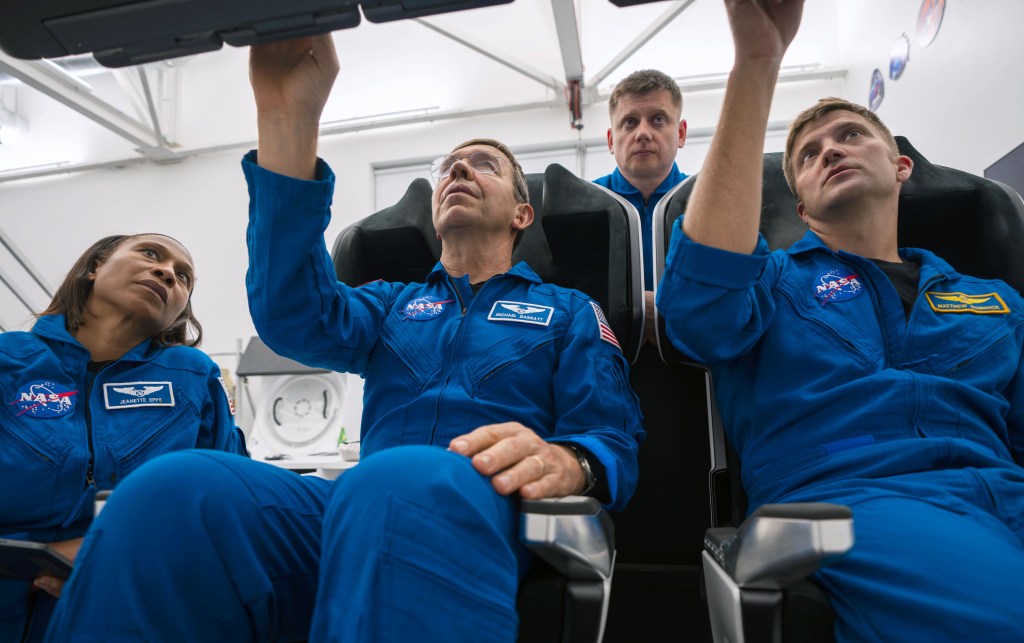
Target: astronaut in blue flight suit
(645, 110)
(107, 378)
(850, 371)
(482, 383)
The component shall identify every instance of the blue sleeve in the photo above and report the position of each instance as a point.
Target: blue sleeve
(298, 306)
(595, 407)
(1014, 393)
(217, 429)
(716, 304)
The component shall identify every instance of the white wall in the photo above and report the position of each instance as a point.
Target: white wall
(961, 99)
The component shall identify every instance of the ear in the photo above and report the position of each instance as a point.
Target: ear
(524, 216)
(91, 275)
(801, 211)
(610, 148)
(904, 168)
(682, 132)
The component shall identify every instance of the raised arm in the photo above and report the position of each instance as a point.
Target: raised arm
(725, 208)
(291, 82)
(297, 304)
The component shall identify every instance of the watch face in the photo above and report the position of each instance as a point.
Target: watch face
(588, 473)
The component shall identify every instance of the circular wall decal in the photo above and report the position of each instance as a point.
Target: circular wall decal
(929, 19)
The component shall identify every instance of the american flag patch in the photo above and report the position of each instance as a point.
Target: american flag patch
(602, 325)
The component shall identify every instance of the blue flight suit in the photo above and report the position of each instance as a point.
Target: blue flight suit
(619, 185)
(829, 393)
(68, 433)
(412, 544)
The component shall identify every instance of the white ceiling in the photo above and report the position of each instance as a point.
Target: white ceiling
(485, 60)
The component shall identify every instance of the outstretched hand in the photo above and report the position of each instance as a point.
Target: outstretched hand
(517, 459)
(291, 81)
(293, 77)
(763, 29)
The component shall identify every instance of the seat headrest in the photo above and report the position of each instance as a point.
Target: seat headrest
(580, 239)
(397, 243)
(975, 224)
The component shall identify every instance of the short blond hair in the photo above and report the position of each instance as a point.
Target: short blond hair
(518, 176)
(642, 82)
(816, 111)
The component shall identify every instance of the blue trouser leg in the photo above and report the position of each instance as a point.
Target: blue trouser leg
(198, 546)
(14, 601)
(418, 547)
(935, 558)
(203, 546)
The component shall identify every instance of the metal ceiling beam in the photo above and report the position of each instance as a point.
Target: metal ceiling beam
(488, 50)
(568, 32)
(54, 82)
(350, 126)
(641, 40)
(52, 169)
(24, 263)
(691, 84)
(15, 290)
(152, 106)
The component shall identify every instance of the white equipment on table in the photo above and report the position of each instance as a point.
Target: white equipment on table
(301, 417)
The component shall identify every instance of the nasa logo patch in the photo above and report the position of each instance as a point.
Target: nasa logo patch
(422, 308)
(837, 284)
(129, 395)
(44, 400)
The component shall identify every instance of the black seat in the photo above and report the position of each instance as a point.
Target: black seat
(584, 238)
(977, 225)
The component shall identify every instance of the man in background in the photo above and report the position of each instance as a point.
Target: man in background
(647, 127)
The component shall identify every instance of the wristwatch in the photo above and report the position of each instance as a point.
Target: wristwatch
(588, 473)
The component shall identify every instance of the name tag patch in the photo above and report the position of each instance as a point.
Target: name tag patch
(517, 311)
(958, 302)
(127, 395)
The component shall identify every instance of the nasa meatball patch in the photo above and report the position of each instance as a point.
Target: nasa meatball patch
(129, 395)
(837, 284)
(424, 308)
(44, 399)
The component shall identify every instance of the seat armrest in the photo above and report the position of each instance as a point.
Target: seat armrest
(574, 534)
(100, 501)
(780, 544)
(576, 537)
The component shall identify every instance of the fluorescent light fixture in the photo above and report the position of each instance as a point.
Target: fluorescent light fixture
(788, 73)
(42, 166)
(381, 117)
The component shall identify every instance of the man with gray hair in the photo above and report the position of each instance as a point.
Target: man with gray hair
(483, 385)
